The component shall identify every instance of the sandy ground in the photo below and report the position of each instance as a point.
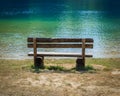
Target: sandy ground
(52, 83)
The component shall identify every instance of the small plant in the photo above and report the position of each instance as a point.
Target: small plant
(36, 69)
(58, 68)
(86, 68)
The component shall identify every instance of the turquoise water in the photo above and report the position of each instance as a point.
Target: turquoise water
(64, 22)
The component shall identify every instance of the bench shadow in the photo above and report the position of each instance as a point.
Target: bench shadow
(59, 69)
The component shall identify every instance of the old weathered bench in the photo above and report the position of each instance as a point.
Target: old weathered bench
(82, 43)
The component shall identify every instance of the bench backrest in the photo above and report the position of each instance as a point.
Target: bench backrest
(60, 43)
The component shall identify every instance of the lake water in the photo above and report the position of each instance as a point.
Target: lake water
(99, 20)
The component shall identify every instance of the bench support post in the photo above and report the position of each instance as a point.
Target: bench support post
(39, 62)
(35, 51)
(80, 64)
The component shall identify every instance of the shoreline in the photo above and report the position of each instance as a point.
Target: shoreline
(30, 58)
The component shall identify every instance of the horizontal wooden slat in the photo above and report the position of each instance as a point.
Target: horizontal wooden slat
(60, 39)
(58, 54)
(61, 45)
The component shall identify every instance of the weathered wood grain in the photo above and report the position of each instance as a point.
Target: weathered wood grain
(30, 39)
(60, 45)
(58, 54)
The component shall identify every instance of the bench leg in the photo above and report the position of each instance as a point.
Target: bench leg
(80, 64)
(39, 62)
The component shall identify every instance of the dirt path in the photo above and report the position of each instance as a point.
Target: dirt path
(98, 83)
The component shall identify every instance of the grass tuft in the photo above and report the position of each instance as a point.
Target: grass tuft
(56, 68)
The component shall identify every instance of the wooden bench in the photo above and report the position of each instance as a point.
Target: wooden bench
(82, 43)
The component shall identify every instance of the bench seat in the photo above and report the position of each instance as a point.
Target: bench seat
(57, 54)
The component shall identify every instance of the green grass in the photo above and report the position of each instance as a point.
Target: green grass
(109, 62)
(57, 68)
(7, 66)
